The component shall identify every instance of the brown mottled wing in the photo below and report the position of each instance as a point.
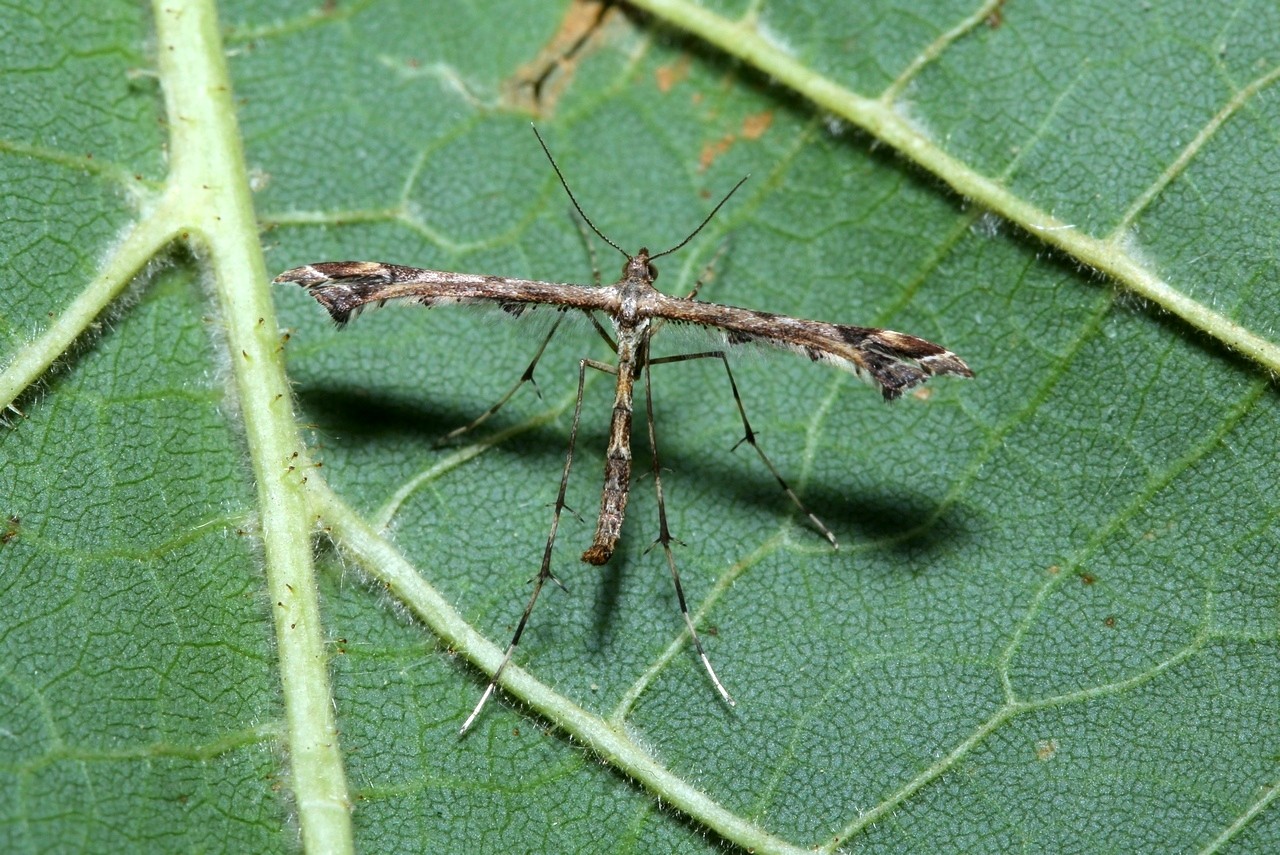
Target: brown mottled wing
(893, 361)
(346, 287)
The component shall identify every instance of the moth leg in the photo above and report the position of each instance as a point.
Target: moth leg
(544, 571)
(604, 333)
(749, 436)
(526, 377)
(665, 538)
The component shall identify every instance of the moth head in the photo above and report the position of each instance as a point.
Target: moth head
(638, 266)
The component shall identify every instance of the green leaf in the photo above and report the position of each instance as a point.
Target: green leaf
(1054, 619)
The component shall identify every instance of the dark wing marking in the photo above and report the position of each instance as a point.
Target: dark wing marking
(346, 287)
(893, 361)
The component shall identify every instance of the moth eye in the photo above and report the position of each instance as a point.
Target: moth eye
(653, 272)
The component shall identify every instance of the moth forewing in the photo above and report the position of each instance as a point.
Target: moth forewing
(893, 361)
(344, 288)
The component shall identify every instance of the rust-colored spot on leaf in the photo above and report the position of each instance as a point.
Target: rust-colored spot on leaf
(712, 150)
(755, 125)
(670, 75)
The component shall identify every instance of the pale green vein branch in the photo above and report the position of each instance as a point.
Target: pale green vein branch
(1194, 147)
(1141, 499)
(334, 218)
(680, 643)
(320, 15)
(878, 118)
(383, 516)
(403, 215)
(936, 47)
(134, 185)
(209, 189)
(612, 743)
(1261, 803)
(927, 776)
(207, 752)
(1001, 716)
(30, 363)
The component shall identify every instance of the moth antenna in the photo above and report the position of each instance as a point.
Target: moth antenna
(693, 233)
(577, 207)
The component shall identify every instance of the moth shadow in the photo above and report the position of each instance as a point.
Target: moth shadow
(907, 525)
(360, 415)
(358, 412)
(893, 519)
